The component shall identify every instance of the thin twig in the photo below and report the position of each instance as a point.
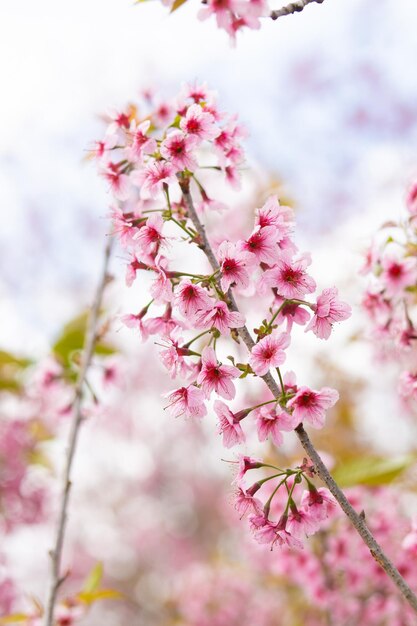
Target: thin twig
(89, 345)
(358, 521)
(293, 7)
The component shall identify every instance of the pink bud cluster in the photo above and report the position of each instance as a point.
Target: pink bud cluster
(153, 216)
(390, 300)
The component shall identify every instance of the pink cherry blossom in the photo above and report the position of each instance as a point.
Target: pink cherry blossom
(141, 143)
(301, 522)
(270, 421)
(398, 273)
(328, 310)
(233, 264)
(198, 123)
(273, 214)
(411, 199)
(245, 501)
(149, 236)
(187, 401)
(312, 405)
(229, 426)
(219, 317)
(216, 377)
(262, 243)
(290, 279)
(319, 502)
(191, 298)
(269, 352)
(119, 182)
(177, 148)
(153, 177)
(292, 312)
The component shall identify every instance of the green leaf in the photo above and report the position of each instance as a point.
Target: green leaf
(13, 619)
(100, 594)
(372, 470)
(11, 367)
(93, 580)
(72, 339)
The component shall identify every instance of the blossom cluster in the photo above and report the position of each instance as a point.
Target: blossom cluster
(156, 178)
(390, 299)
(231, 15)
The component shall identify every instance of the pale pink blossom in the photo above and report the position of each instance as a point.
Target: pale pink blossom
(229, 425)
(233, 263)
(137, 323)
(269, 352)
(191, 298)
(262, 243)
(198, 123)
(319, 503)
(177, 148)
(120, 185)
(245, 501)
(301, 522)
(292, 312)
(275, 533)
(152, 178)
(328, 310)
(161, 287)
(289, 278)
(216, 377)
(411, 199)
(141, 143)
(273, 214)
(398, 273)
(246, 463)
(270, 421)
(311, 405)
(149, 236)
(219, 317)
(407, 385)
(187, 401)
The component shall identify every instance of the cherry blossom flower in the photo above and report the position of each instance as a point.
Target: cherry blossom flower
(149, 236)
(292, 312)
(219, 317)
(246, 463)
(233, 264)
(311, 405)
(397, 273)
(141, 143)
(319, 502)
(270, 421)
(177, 147)
(229, 425)
(269, 352)
(187, 401)
(262, 243)
(119, 182)
(191, 298)
(216, 377)
(302, 522)
(411, 199)
(153, 177)
(245, 501)
(328, 310)
(198, 123)
(289, 278)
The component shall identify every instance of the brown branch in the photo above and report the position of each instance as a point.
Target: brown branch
(293, 7)
(358, 521)
(90, 343)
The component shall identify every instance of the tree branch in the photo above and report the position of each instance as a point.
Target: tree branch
(90, 343)
(293, 7)
(357, 521)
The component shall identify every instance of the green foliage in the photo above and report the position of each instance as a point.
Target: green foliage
(71, 341)
(11, 368)
(371, 471)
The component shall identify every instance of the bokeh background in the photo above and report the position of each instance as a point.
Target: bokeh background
(329, 98)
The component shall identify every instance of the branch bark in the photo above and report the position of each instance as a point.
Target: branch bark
(357, 520)
(293, 7)
(90, 343)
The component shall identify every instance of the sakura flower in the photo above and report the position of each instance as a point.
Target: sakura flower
(246, 502)
(289, 278)
(177, 148)
(292, 312)
(302, 522)
(138, 323)
(398, 273)
(246, 463)
(199, 123)
(270, 421)
(232, 176)
(407, 385)
(149, 236)
(151, 179)
(191, 298)
(269, 352)
(119, 182)
(222, 9)
(161, 288)
(229, 425)
(410, 541)
(311, 405)
(173, 358)
(141, 143)
(411, 199)
(122, 226)
(219, 317)
(233, 264)
(187, 401)
(319, 502)
(328, 310)
(262, 243)
(274, 533)
(273, 214)
(216, 377)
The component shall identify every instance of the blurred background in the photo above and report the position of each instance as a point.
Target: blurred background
(329, 98)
